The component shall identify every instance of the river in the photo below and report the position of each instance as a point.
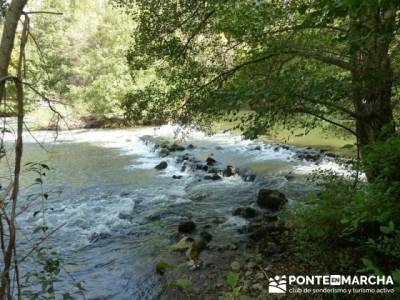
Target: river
(117, 212)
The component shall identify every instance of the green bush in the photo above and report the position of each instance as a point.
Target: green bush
(357, 228)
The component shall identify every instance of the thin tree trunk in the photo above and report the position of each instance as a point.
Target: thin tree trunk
(6, 47)
(12, 17)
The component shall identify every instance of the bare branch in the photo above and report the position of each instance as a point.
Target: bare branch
(42, 12)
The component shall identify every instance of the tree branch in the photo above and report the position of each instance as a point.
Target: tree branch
(312, 113)
(330, 104)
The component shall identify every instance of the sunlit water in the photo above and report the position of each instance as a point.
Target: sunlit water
(119, 211)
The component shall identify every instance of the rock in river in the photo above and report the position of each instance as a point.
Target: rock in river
(163, 152)
(211, 161)
(271, 199)
(229, 171)
(212, 176)
(245, 212)
(184, 244)
(161, 166)
(186, 227)
(206, 236)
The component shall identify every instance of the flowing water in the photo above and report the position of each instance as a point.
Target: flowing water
(119, 212)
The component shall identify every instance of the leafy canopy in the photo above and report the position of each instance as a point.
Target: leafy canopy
(284, 62)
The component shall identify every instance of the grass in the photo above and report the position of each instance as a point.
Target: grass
(329, 138)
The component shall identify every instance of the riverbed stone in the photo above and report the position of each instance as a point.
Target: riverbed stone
(186, 227)
(235, 266)
(211, 161)
(176, 147)
(248, 177)
(245, 212)
(183, 244)
(206, 236)
(213, 176)
(163, 152)
(271, 199)
(229, 171)
(161, 166)
(162, 267)
(201, 167)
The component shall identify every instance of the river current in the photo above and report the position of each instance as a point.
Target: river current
(117, 212)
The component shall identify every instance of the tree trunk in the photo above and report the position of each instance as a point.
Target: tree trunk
(372, 75)
(12, 17)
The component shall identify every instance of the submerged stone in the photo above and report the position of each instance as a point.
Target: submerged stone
(161, 166)
(206, 236)
(271, 199)
(186, 227)
(211, 161)
(245, 212)
(212, 176)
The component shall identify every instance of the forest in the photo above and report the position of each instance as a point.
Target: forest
(199, 149)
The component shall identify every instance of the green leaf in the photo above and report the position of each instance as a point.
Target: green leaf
(232, 279)
(396, 276)
(348, 146)
(370, 266)
(183, 283)
(388, 229)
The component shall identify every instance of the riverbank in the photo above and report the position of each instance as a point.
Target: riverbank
(329, 139)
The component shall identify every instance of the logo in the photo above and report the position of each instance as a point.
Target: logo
(277, 285)
(345, 284)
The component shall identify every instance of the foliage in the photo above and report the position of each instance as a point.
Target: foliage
(285, 62)
(351, 222)
(80, 57)
(40, 282)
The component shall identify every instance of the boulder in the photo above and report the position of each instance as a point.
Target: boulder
(206, 236)
(235, 266)
(309, 156)
(176, 147)
(184, 167)
(184, 244)
(190, 147)
(248, 177)
(161, 166)
(290, 177)
(186, 227)
(271, 199)
(268, 217)
(182, 158)
(229, 171)
(211, 161)
(163, 152)
(201, 167)
(245, 212)
(196, 248)
(162, 267)
(212, 176)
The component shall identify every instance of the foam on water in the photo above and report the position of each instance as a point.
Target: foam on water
(103, 210)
